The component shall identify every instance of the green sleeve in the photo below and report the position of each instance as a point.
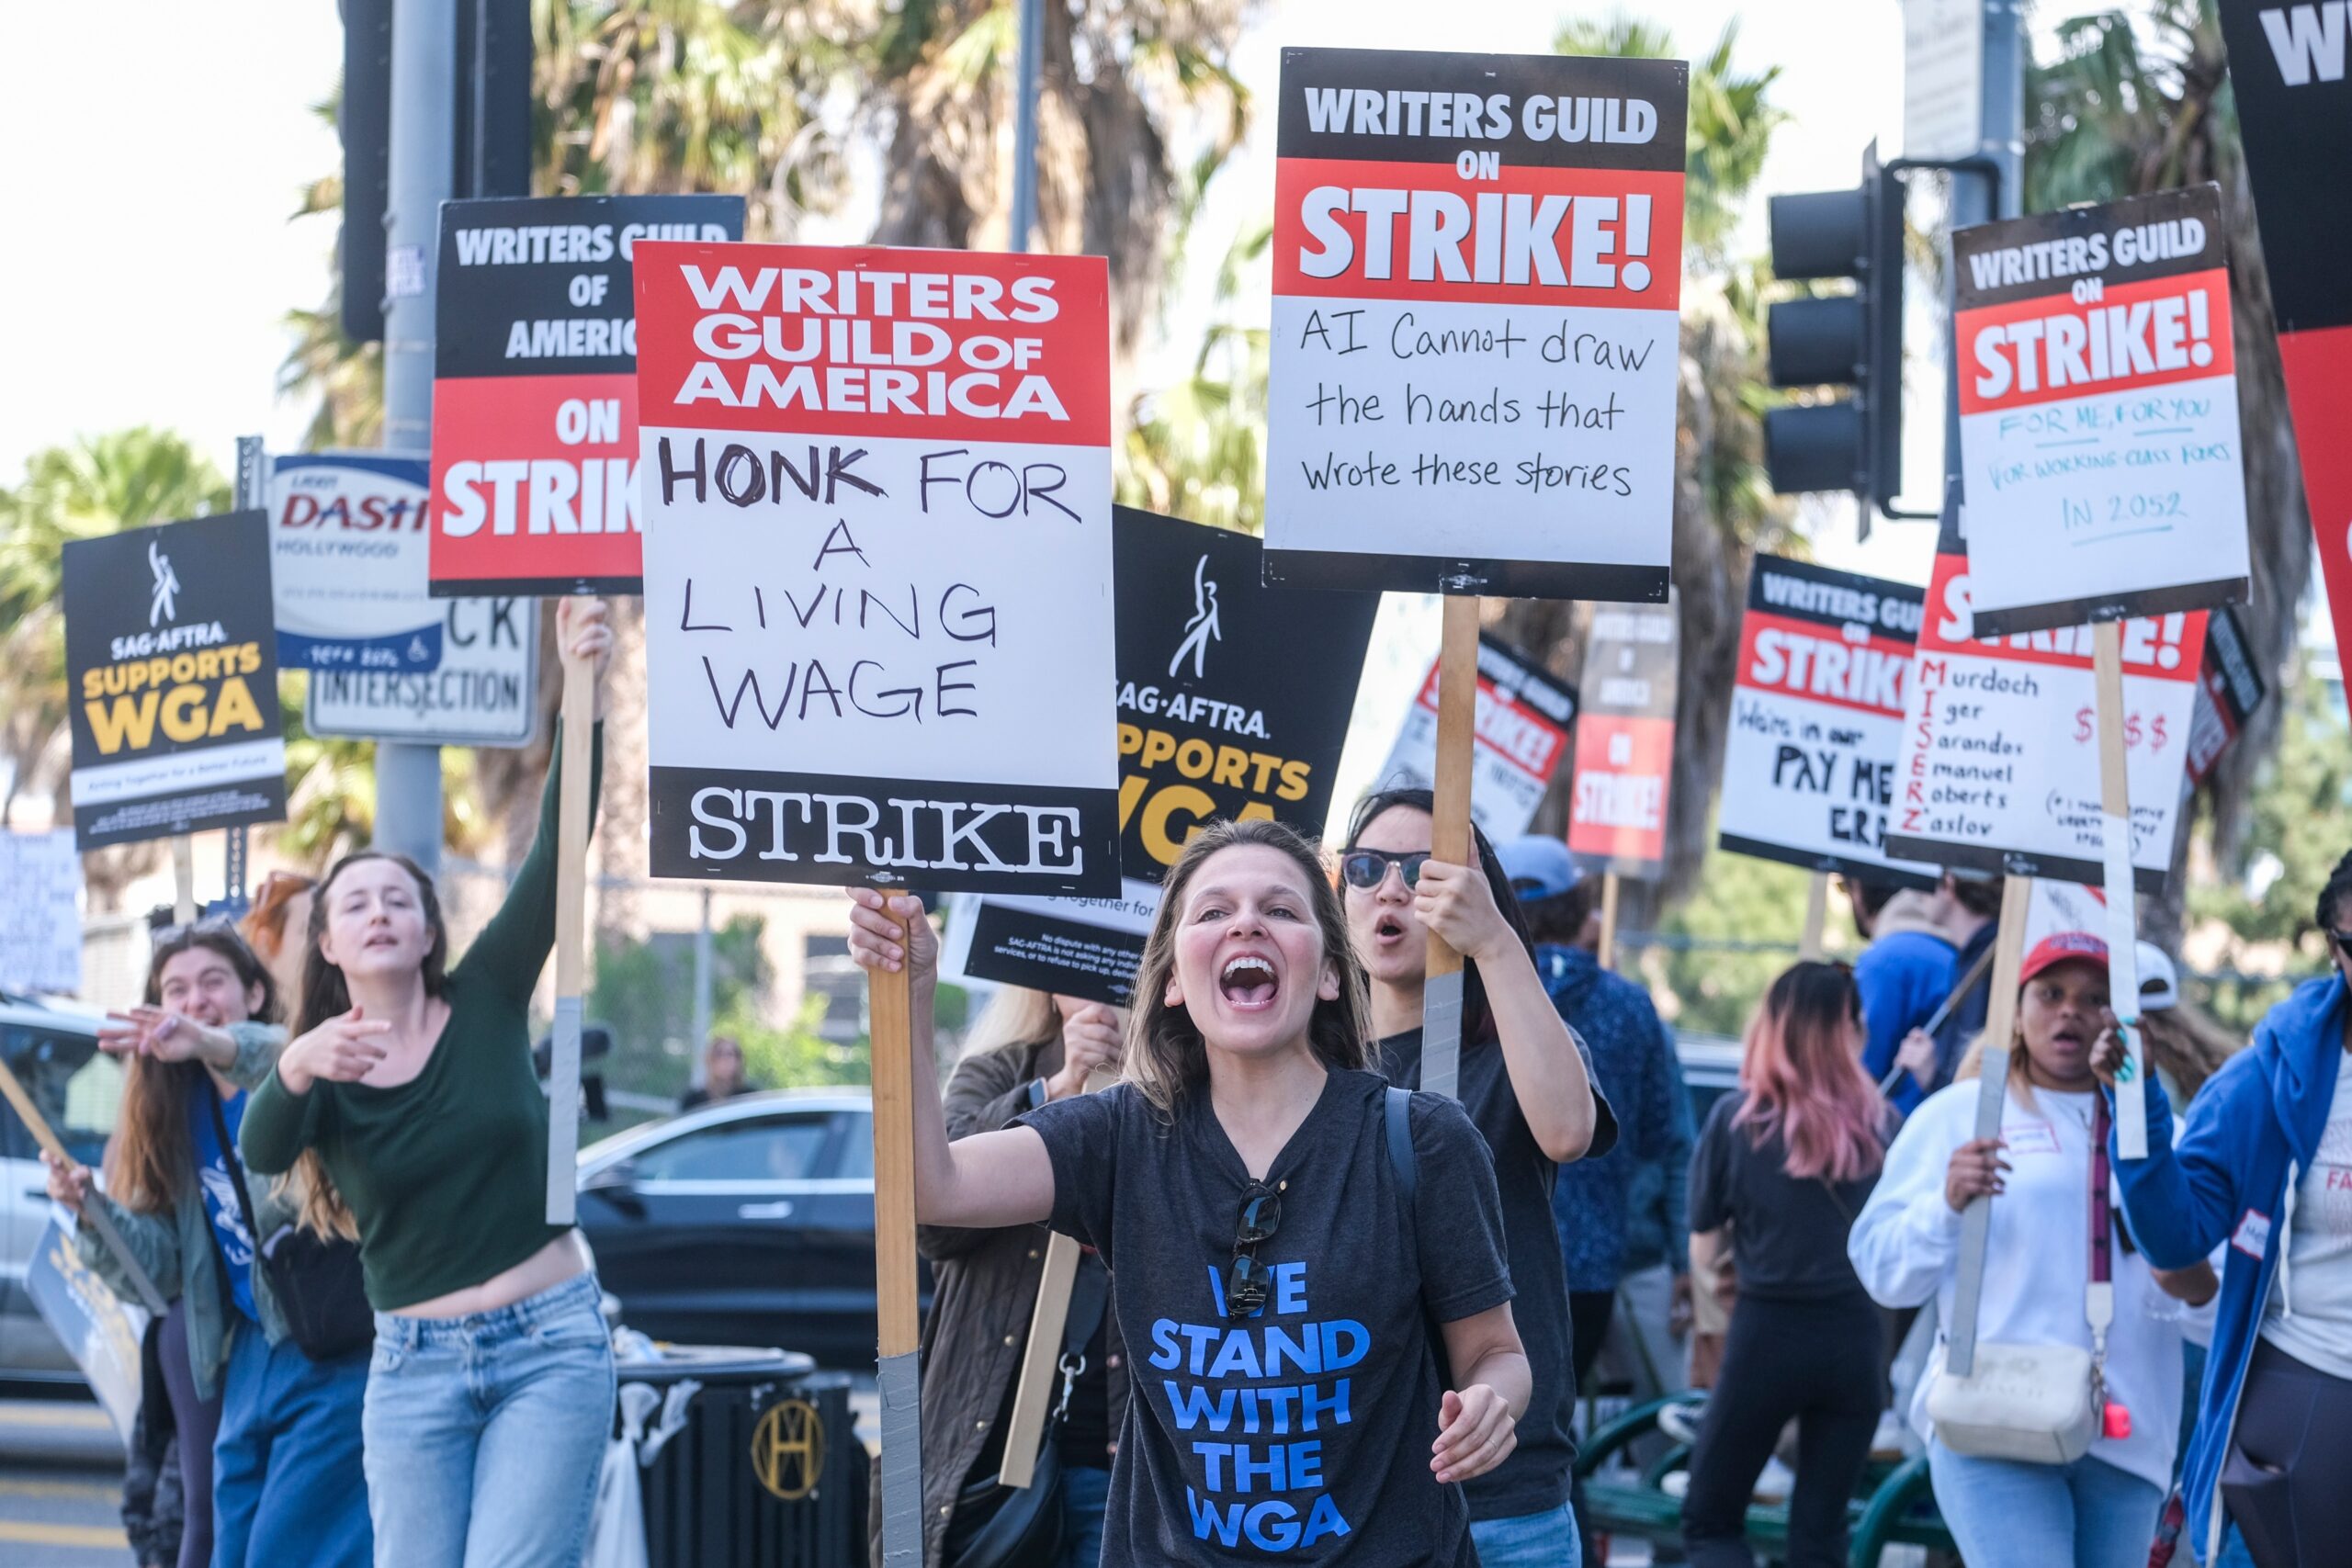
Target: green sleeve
(514, 947)
(280, 1124)
(257, 1048)
(154, 1240)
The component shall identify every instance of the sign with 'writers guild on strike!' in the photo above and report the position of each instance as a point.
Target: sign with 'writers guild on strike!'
(2100, 456)
(1519, 729)
(1478, 271)
(1816, 714)
(171, 664)
(1625, 741)
(878, 566)
(534, 389)
(1998, 770)
(1234, 701)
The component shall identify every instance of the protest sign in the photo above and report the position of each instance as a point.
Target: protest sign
(484, 691)
(1234, 701)
(100, 1330)
(1999, 765)
(1519, 729)
(347, 547)
(534, 483)
(1816, 712)
(2098, 414)
(1625, 741)
(171, 657)
(2294, 117)
(41, 928)
(2229, 688)
(877, 494)
(1478, 271)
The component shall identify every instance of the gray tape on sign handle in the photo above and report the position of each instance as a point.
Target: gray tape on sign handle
(899, 1381)
(563, 1114)
(1975, 1223)
(1441, 1035)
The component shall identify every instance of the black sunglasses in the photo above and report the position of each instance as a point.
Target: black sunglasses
(1245, 1281)
(1369, 868)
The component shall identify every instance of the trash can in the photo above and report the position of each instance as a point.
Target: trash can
(767, 1471)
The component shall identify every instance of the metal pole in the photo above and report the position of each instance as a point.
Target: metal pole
(699, 1075)
(2001, 94)
(423, 161)
(1024, 126)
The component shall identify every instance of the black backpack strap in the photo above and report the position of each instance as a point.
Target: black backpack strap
(236, 1168)
(1400, 1148)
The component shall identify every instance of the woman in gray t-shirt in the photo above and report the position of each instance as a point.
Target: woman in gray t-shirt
(1275, 1286)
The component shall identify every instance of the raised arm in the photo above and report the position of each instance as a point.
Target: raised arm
(512, 948)
(2182, 1200)
(984, 1094)
(983, 1181)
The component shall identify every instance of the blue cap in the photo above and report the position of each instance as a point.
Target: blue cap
(1538, 866)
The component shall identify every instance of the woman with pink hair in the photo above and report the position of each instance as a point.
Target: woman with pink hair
(1786, 1162)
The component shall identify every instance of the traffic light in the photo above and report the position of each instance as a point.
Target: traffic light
(1839, 340)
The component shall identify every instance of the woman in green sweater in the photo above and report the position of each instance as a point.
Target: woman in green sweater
(490, 1396)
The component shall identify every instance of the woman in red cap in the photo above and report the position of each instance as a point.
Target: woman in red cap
(2049, 1195)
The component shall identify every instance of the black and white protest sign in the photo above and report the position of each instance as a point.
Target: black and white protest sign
(1520, 732)
(1234, 701)
(171, 657)
(877, 554)
(2098, 414)
(484, 691)
(40, 932)
(1478, 270)
(1816, 716)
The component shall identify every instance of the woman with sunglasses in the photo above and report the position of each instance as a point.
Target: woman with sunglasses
(489, 1394)
(1291, 1399)
(1785, 1164)
(268, 1438)
(1524, 1082)
(2265, 1164)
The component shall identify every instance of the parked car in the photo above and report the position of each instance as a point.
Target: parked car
(53, 1047)
(748, 1222)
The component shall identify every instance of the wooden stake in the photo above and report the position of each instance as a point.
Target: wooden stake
(1816, 915)
(183, 879)
(570, 938)
(1450, 838)
(94, 1215)
(891, 1010)
(2123, 911)
(1992, 1094)
(1033, 1393)
(1608, 952)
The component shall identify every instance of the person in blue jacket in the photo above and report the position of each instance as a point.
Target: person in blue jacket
(2264, 1163)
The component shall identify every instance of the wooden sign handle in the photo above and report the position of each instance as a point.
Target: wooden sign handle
(889, 1004)
(1816, 917)
(1607, 952)
(1450, 837)
(1992, 1094)
(2122, 911)
(1033, 1393)
(570, 938)
(93, 1215)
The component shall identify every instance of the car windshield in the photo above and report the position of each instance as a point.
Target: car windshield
(775, 1148)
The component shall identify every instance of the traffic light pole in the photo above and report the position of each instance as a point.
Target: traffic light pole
(424, 152)
(1998, 190)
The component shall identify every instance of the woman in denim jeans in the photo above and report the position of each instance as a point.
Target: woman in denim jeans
(490, 1397)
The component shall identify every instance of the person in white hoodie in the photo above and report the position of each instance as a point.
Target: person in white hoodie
(2101, 1510)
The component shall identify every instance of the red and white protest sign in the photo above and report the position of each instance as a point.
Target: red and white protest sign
(1476, 276)
(879, 567)
(1816, 714)
(1999, 767)
(1519, 732)
(1626, 741)
(534, 482)
(2098, 412)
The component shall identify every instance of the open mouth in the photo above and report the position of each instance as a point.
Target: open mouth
(1247, 981)
(1390, 928)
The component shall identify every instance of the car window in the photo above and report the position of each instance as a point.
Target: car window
(76, 1087)
(773, 1148)
(855, 1161)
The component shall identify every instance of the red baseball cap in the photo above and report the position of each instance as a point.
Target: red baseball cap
(2062, 947)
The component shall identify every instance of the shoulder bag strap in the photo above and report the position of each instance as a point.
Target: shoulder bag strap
(2099, 1297)
(1397, 1112)
(236, 1165)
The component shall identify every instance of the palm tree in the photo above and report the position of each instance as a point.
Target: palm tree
(1197, 449)
(2120, 112)
(1724, 508)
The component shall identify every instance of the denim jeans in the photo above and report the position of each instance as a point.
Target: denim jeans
(1547, 1539)
(287, 1479)
(486, 1433)
(1086, 1496)
(2086, 1514)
